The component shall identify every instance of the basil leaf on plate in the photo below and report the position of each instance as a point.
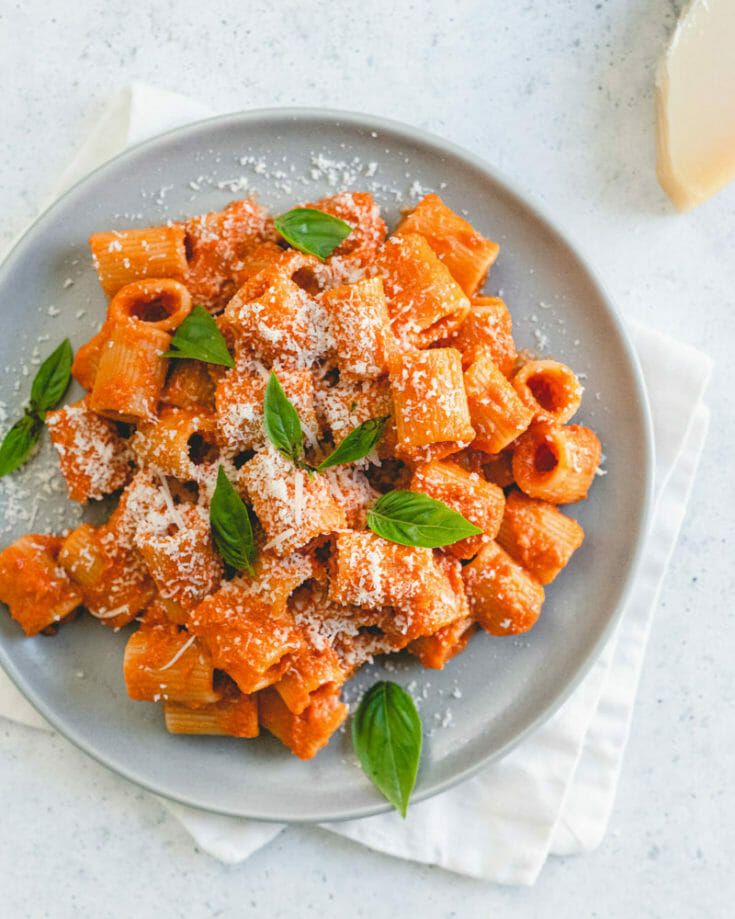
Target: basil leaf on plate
(414, 519)
(19, 442)
(386, 735)
(233, 532)
(49, 385)
(358, 443)
(198, 337)
(281, 421)
(312, 231)
(52, 379)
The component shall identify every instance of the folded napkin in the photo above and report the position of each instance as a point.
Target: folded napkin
(554, 793)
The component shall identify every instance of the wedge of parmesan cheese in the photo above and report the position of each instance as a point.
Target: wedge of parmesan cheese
(695, 92)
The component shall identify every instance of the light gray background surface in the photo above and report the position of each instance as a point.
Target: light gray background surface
(559, 95)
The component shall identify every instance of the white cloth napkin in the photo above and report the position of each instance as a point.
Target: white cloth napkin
(554, 793)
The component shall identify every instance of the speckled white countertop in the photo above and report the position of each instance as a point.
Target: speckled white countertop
(559, 95)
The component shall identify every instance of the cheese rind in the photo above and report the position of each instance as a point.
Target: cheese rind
(695, 98)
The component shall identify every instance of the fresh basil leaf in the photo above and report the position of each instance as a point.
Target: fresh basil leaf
(386, 735)
(414, 519)
(357, 444)
(48, 387)
(233, 532)
(19, 442)
(198, 337)
(281, 421)
(52, 378)
(312, 231)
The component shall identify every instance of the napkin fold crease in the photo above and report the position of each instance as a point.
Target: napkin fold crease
(554, 793)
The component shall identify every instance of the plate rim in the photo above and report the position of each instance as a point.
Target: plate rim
(538, 210)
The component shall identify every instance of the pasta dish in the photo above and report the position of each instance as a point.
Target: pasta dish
(319, 444)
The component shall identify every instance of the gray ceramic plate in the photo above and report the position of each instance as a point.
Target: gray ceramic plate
(499, 690)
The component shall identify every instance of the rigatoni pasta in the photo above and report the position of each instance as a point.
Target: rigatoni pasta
(310, 669)
(358, 321)
(217, 245)
(234, 715)
(430, 403)
(124, 256)
(357, 252)
(94, 459)
(163, 304)
(488, 329)
(556, 463)
(131, 372)
(177, 443)
(306, 733)
(425, 303)
(538, 535)
(467, 254)
(239, 404)
(274, 319)
(550, 389)
(163, 662)
(37, 591)
(478, 500)
(498, 414)
(113, 579)
(503, 597)
(231, 621)
(253, 448)
(435, 650)
(292, 506)
(177, 547)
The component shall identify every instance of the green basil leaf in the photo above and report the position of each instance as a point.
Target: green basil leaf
(281, 421)
(233, 532)
(198, 337)
(52, 378)
(357, 444)
(19, 442)
(312, 231)
(414, 519)
(386, 735)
